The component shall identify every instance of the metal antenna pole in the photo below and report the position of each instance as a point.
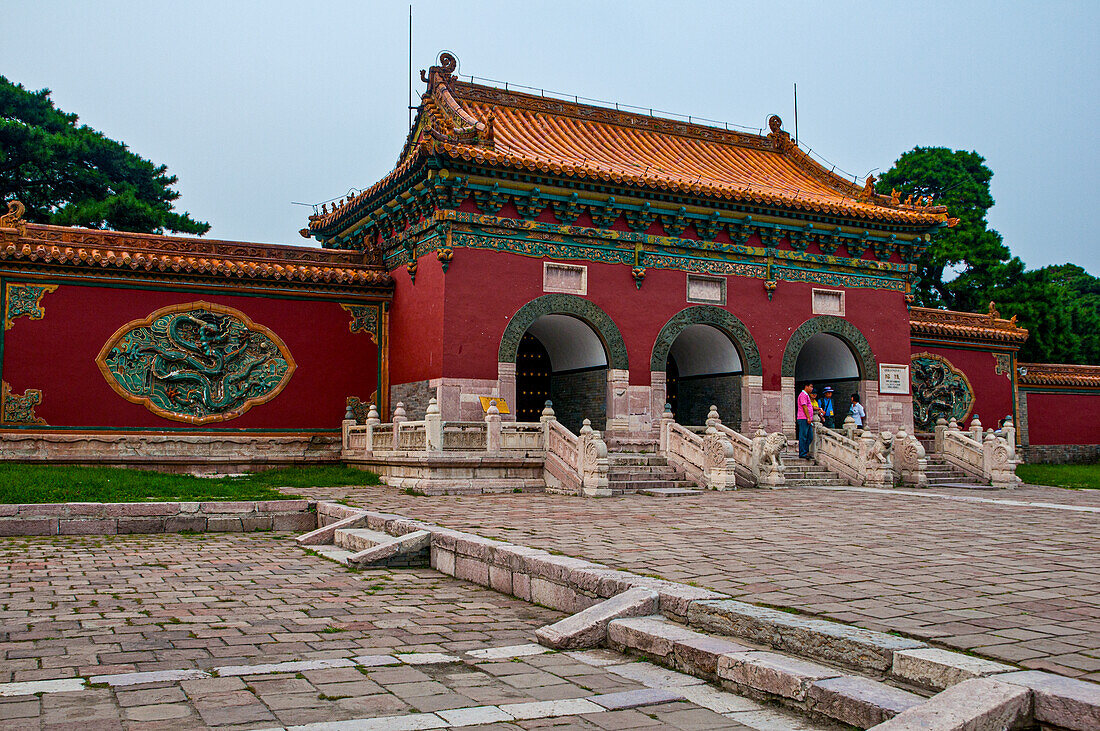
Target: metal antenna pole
(796, 114)
(410, 65)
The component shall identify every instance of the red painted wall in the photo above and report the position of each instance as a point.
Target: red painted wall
(57, 355)
(416, 322)
(1063, 418)
(484, 289)
(992, 391)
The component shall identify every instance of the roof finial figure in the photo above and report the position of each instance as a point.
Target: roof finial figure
(868, 192)
(775, 124)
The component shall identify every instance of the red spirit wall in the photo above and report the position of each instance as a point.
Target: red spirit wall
(57, 355)
(484, 289)
(992, 391)
(1063, 418)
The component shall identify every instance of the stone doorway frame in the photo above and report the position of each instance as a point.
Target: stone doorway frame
(752, 381)
(851, 336)
(588, 312)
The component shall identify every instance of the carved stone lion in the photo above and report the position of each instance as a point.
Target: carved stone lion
(773, 445)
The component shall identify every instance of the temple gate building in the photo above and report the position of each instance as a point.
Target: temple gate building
(613, 262)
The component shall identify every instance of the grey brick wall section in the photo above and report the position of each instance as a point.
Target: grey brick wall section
(580, 395)
(697, 394)
(414, 395)
(1061, 453)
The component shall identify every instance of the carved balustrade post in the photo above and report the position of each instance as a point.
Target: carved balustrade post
(345, 425)
(398, 419)
(976, 430)
(713, 420)
(998, 464)
(910, 462)
(493, 429)
(372, 422)
(594, 462)
(849, 427)
(1008, 431)
(547, 417)
(433, 428)
(719, 468)
(667, 420)
(941, 434)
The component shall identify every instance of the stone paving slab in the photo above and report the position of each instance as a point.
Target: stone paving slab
(250, 631)
(1005, 580)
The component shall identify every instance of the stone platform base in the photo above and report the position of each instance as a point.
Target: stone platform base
(457, 474)
(195, 453)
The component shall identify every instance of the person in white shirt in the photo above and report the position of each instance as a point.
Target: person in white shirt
(856, 411)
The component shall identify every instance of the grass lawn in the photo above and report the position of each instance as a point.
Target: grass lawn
(64, 484)
(1080, 476)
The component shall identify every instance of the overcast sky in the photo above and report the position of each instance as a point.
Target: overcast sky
(257, 105)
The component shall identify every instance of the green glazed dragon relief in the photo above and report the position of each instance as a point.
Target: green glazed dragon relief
(939, 391)
(197, 362)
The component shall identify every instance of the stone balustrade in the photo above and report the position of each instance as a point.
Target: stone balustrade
(989, 456)
(722, 458)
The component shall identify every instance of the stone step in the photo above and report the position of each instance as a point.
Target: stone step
(670, 492)
(359, 539)
(625, 458)
(810, 686)
(822, 482)
(638, 485)
(333, 553)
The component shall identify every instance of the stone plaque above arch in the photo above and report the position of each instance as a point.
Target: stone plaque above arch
(715, 317)
(564, 304)
(841, 328)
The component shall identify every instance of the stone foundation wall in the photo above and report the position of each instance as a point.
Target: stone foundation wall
(698, 393)
(414, 395)
(1061, 453)
(580, 395)
(51, 519)
(220, 454)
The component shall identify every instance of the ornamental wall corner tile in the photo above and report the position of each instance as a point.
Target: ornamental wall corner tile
(22, 299)
(18, 409)
(364, 319)
(196, 362)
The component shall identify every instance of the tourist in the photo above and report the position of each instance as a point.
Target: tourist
(856, 411)
(805, 421)
(828, 415)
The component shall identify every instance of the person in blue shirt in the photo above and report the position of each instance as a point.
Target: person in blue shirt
(827, 413)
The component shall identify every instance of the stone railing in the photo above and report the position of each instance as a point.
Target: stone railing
(860, 458)
(722, 458)
(432, 435)
(575, 463)
(987, 456)
(572, 463)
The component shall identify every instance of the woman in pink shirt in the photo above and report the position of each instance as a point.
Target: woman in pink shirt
(804, 420)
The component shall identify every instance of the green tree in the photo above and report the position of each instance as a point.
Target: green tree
(971, 250)
(72, 175)
(1060, 307)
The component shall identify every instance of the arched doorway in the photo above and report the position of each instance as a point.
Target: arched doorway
(828, 351)
(562, 359)
(564, 348)
(702, 356)
(703, 368)
(826, 360)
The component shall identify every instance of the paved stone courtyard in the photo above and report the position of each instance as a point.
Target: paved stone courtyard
(985, 571)
(205, 613)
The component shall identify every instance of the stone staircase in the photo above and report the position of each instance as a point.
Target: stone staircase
(635, 467)
(941, 472)
(806, 473)
(349, 542)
